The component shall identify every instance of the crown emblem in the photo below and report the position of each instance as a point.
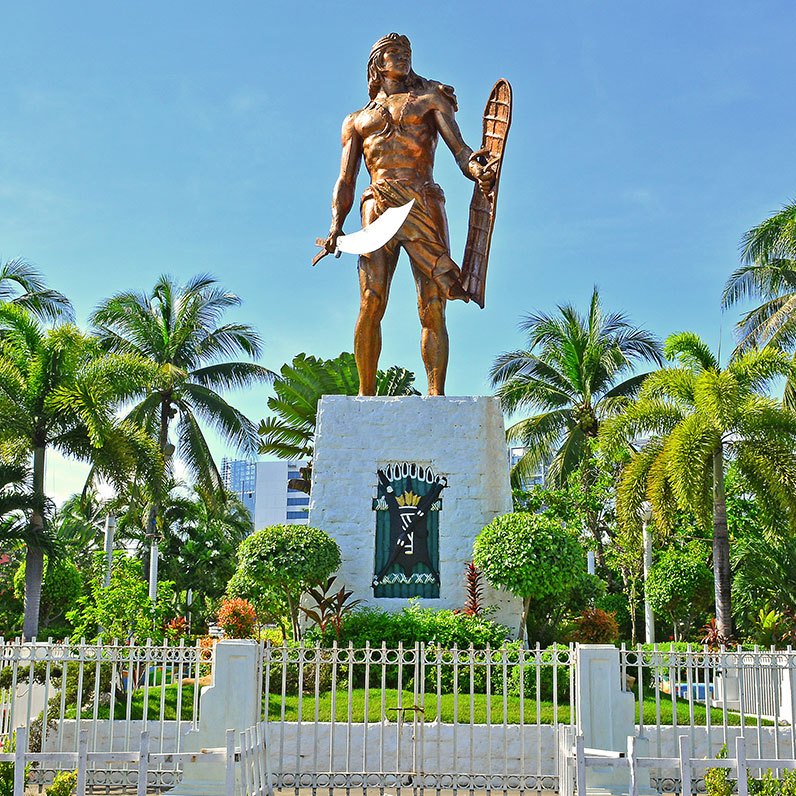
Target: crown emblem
(408, 499)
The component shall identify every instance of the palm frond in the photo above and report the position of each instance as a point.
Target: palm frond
(690, 350)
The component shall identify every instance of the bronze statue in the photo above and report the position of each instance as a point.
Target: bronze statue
(396, 133)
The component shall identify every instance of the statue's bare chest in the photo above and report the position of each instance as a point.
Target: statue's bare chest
(404, 113)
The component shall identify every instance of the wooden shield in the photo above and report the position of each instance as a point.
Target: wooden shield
(497, 120)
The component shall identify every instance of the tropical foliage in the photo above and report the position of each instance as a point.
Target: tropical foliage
(59, 390)
(575, 371)
(538, 560)
(767, 273)
(290, 431)
(177, 330)
(697, 417)
(288, 560)
(23, 285)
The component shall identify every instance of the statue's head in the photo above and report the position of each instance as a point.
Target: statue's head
(390, 44)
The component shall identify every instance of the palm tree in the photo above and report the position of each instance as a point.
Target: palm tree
(59, 390)
(177, 329)
(572, 370)
(768, 272)
(574, 373)
(290, 432)
(23, 285)
(698, 416)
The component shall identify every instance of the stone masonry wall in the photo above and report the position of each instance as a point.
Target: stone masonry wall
(460, 438)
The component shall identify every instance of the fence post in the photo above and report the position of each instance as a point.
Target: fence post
(605, 710)
(19, 761)
(143, 763)
(230, 763)
(740, 759)
(632, 754)
(685, 767)
(580, 765)
(230, 703)
(82, 763)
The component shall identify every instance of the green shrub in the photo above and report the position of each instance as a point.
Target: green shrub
(283, 560)
(60, 589)
(414, 624)
(537, 559)
(64, 784)
(617, 604)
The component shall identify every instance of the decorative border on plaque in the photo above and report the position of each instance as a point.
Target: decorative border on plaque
(407, 507)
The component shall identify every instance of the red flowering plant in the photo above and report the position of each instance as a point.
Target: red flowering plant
(238, 618)
(595, 626)
(176, 628)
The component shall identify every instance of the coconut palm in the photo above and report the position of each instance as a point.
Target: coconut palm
(177, 329)
(767, 273)
(290, 432)
(698, 417)
(59, 390)
(23, 285)
(574, 372)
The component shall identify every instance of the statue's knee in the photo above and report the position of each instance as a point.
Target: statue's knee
(432, 314)
(372, 303)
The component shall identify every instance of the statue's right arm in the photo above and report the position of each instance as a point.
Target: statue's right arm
(343, 195)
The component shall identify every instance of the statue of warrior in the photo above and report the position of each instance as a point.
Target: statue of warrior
(396, 133)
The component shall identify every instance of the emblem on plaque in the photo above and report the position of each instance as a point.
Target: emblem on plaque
(407, 507)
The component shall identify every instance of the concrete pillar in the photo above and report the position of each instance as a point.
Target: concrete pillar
(605, 714)
(229, 703)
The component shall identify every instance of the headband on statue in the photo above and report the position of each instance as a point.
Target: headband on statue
(388, 40)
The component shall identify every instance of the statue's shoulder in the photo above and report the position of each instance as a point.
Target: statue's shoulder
(350, 121)
(443, 95)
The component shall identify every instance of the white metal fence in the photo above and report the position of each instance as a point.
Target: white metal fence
(357, 718)
(691, 770)
(712, 697)
(108, 693)
(417, 716)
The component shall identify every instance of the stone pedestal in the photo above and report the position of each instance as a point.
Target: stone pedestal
(462, 439)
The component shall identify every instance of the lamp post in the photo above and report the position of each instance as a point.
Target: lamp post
(645, 514)
(110, 529)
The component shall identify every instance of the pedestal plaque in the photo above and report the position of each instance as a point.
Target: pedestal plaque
(405, 485)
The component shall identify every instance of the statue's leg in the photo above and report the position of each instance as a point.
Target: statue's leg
(434, 333)
(375, 275)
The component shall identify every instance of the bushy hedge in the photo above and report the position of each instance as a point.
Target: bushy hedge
(415, 624)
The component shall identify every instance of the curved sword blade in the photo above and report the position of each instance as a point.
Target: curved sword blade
(377, 233)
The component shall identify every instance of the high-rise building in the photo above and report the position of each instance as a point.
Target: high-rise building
(263, 488)
(535, 479)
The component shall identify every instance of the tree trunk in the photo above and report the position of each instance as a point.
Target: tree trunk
(523, 631)
(34, 556)
(154, 512)
(721, 549)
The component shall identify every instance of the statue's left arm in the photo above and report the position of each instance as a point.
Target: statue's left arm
(466, 159)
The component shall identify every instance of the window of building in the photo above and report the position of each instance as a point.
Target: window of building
(297, 515)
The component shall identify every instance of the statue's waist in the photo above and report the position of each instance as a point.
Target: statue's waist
(400, 190)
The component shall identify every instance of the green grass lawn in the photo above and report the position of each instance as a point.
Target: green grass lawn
(446, 708)
(153, 707)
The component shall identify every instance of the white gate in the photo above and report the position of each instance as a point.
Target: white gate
(419, 717)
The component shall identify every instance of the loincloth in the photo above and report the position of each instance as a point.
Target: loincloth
(424, 234)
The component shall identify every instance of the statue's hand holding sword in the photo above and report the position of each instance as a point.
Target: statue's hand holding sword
(369, 238)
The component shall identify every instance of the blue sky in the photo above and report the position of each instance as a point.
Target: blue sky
(179, 137)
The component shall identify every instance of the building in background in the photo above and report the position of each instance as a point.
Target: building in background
(263, 488)
(537, 478)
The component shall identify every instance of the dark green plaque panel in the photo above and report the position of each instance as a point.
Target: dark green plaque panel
(407, 510)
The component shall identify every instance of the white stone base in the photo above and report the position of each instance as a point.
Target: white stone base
(460, 438)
